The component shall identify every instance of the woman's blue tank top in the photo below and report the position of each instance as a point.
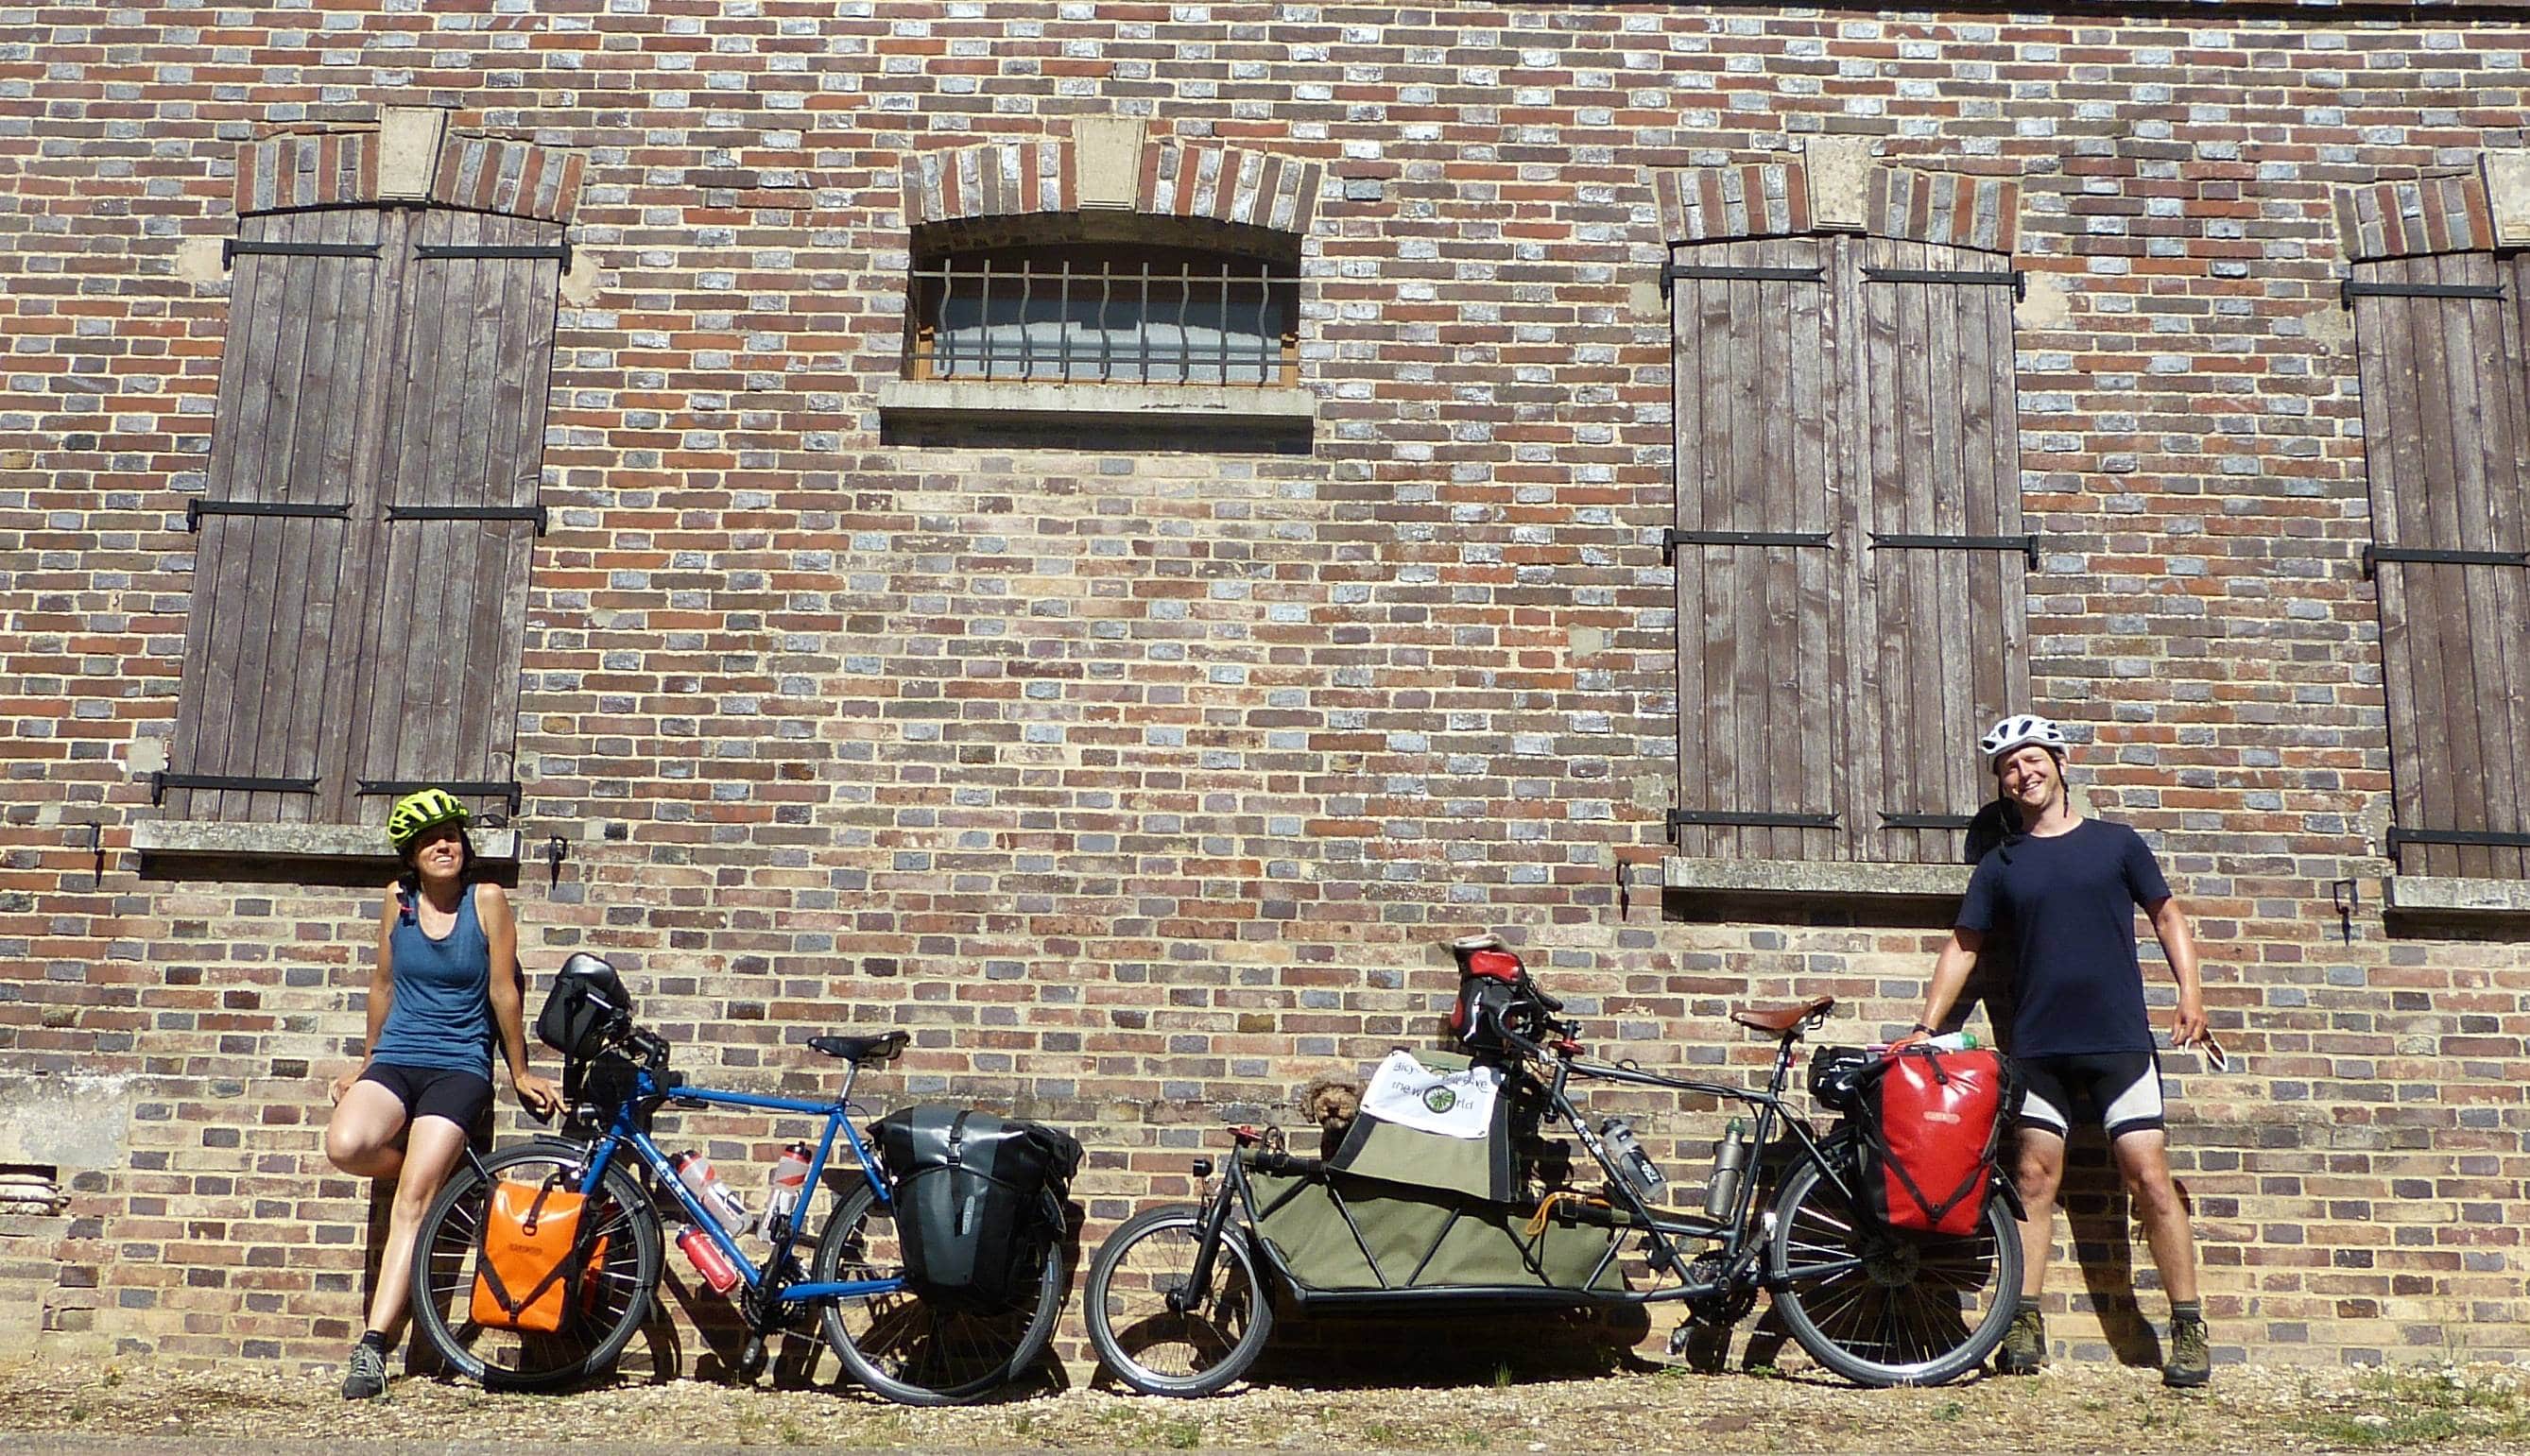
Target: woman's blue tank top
(442, 1015)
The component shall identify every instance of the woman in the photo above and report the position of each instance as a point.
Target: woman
(446, 984)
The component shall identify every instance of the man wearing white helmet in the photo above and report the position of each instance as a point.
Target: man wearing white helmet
(2061, 895)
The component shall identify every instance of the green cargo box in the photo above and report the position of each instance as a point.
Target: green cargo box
(1392, 1153)
(1397, 1238)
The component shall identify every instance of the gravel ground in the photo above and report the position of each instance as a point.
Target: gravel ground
(139, 1406)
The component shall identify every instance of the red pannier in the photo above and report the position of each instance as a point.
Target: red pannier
(1932, 1127)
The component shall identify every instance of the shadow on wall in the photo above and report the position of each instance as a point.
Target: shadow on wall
(2102, 1218)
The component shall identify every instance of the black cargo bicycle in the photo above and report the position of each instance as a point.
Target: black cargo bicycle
(1181, 1299)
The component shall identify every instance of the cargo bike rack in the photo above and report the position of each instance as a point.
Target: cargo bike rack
(1181, 1299)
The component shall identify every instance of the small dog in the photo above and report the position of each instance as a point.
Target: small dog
(1331, 1100)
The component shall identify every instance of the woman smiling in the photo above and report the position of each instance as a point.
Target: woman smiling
(446, 986)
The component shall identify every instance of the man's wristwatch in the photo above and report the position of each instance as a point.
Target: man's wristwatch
(1926, 1030)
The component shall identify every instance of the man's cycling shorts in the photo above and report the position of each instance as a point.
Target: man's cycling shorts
(2122, 1089)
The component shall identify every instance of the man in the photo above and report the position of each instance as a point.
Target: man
(2060, 894)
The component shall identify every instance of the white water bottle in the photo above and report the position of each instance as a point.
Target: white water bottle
(790, 1179)
(695, 1171)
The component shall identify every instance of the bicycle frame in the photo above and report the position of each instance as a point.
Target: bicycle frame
(763, 1281)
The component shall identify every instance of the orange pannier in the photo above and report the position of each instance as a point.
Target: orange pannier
(532, 1268)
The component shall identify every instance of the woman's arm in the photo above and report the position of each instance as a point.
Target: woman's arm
(381, 993)
(2179, 947)
(509, 997)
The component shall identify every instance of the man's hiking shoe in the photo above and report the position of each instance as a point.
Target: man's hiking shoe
(367, 1376)
(2024, 1345)
(2191, 1364)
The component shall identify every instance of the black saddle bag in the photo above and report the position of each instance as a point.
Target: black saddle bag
(976, 1197)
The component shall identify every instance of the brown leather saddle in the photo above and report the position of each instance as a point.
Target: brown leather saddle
(1781, 1019)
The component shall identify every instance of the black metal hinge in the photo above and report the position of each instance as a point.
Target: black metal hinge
(535, 512)
(162, 780)
(1672, 538)
(2026, 545)
(1670, 275)
(2373, 555)
(195, 511)
(2351, 289)
(1925, 821)
(560, 252)
(231, 248)
(465, 788)
(2475, 839)
(2011, 278)
(1744, 819)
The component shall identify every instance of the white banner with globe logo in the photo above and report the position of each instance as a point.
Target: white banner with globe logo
(1451, 1104)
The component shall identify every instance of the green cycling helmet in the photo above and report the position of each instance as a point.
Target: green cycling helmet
(416, 812)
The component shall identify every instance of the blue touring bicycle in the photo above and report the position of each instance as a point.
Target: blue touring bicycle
(850, 1273)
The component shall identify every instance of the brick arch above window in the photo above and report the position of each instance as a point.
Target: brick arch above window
(1220, 184)
(1779, 199)
(298, 170)
(2415, 217)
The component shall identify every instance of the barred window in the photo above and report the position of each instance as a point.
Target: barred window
(1099, 313)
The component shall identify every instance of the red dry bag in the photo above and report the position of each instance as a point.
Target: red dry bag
(1935, 1124)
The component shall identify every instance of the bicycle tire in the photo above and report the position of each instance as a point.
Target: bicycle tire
(919, 1351)
(443, 1275)
(1910, 1308)
(1131, 1322)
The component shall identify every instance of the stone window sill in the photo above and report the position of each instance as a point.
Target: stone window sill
(2444, 896)
(1815, 879)
(183, 839)
(1172, 405)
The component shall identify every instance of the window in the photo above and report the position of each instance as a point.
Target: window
(1850, 546)
(359, 583)
(2446, 421)
(1156, 316)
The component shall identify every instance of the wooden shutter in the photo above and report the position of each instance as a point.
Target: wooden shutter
(462, 452)
(1760, 620)
(2443, 370)
(312, 311)
(359, 593)
(1940, 550)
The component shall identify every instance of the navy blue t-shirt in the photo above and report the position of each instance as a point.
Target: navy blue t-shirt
(2066, 906)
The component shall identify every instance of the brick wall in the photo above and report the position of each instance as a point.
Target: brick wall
(1143, 783)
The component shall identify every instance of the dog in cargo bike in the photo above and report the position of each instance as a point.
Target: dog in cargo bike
(1888, 1242)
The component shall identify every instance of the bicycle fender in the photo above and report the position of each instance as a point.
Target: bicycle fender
(2010, 1193)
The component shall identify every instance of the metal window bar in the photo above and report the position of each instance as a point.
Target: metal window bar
(1070, 322)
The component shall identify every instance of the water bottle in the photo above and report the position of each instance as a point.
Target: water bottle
(789, 1178)
(1958, 1041)
(1730, 1165)
(708, 1260)
(1633, 1163)
(695, 1171)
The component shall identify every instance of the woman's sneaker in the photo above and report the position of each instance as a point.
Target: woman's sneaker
(367, 1376)
(2191, 1363)
(2024, 1345)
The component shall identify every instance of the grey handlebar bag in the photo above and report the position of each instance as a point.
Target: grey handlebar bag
(976, 1196)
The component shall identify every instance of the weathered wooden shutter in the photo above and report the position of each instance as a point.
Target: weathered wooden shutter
(1939, 605)
(2443, 367)
(464, 451)
(361, 590)
(312, 314)
(1760, 649)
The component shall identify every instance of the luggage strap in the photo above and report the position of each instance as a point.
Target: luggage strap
(1535, 1229)
(567, 1269)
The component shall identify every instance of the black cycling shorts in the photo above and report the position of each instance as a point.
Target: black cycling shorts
(2122, 1089)
(434, 1092)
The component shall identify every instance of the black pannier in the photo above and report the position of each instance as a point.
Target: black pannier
(1495, 995)
(976, 1196)
(588, 1008)
(1837, 1074)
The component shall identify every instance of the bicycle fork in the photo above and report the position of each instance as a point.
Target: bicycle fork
(1207, 1246)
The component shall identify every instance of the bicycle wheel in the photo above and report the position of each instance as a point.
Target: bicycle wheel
(927, 1352)
(1160, 1351)
(616, 1296)
(1885, 1308)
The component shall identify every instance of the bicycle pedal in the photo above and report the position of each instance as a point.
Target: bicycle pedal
(1678, 1338)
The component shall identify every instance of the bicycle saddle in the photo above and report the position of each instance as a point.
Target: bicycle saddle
(1781, 1019)
(886, 1047)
